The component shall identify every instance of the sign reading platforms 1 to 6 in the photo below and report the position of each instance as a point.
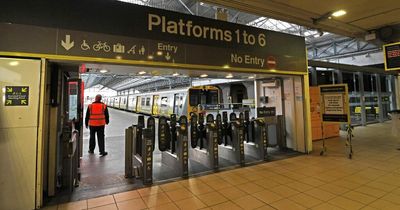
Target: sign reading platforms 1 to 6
(334, 103)
(17, 96)
(392, 56)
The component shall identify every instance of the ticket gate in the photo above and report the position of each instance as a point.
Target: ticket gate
(233, 140)
(139, 145)
(204, 142)
(173, 144)
(257, 147)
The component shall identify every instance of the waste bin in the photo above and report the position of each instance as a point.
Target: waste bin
(395, 122)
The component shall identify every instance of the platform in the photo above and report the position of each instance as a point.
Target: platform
(371, 179)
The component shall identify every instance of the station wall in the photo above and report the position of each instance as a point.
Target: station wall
(19, 132)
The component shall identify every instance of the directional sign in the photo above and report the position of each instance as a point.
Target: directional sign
(17, 96)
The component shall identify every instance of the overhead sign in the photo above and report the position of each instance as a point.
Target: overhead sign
(335, 103)
(141, 33)
(392, 56)
(16, 96)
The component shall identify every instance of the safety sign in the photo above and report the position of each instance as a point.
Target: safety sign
(334, 103)
(16, 96)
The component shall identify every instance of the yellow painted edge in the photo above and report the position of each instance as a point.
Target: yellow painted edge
(307, 107)
(148, 63)
(40, 139)
(384, 56)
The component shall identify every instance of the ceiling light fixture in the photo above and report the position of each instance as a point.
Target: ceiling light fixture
(150, 57)
(251, 77)
(103, 71)
(229, 76)
(225, 66)
(175, 74)
(339, 13)
(159, 53)
(141, 72)
(13, 63)
(204, 75)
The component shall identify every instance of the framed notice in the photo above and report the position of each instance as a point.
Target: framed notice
(392, 56)
(335, 103)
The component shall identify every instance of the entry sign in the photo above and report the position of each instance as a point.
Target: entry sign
(392, 56)
(17, 96)
(334, 103)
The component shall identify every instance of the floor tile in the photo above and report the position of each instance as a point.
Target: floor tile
(126, 196)
(133, 204)
(371, 191)
(326, 206)
(267, 196)
(320, 194)
(226, 206)
(53, 207)
(168, 206)
(346, 203)
(219, 184)
(77, 205)
(381, 186)
(287, 204)
(171, 186)
(284, 191)
(248, 202)
(190, 203)
(249, 187)
(383, 204)
(156, 199)
(106, 207)
(232, 193)
(149, 190)
(305, 200)
(200, 189)
(312, 181)
(392, 198)
(266, 207)
(100, 201)
(299, 186)
(179, 194)
(335, 189)
(213, 198)
(267, 184)
(360, 197)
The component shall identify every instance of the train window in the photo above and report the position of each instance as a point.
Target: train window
(143, 101)
(212, 97)
(147, 101)
(194, 97)
(164, 101)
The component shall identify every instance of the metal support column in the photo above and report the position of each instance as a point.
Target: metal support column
(314, 78)
(379, 90)
(362, 98)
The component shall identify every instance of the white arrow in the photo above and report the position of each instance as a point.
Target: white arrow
(67, 44)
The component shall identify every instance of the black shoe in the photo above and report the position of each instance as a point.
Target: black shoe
(91, 151)
(104, 154)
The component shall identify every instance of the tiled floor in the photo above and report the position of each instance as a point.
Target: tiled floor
(371, 180)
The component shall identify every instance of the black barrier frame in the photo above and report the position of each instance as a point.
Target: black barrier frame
(182, 136)
(259, 148)
(147, 158)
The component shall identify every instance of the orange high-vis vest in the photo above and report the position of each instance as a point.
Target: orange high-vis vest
(97, 116)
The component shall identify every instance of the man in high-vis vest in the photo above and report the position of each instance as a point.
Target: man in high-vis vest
(97, 118)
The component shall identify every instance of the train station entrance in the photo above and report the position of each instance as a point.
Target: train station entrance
(185, 96)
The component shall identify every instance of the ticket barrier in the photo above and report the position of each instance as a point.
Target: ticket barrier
(70, 175)
(204, 140)
(139, 143)
(173, 143)
(232, 148)
(257, 147)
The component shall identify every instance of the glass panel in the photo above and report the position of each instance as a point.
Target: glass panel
(352, 81)
(194, 97)
(371, 98)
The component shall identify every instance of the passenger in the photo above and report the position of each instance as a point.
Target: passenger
(97, 117)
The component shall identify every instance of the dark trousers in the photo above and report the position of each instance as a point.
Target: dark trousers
(100, 138)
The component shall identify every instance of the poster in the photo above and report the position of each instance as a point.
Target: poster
(335, 103)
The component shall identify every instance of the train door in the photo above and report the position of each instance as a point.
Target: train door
(155, 109)
(178, 103)
(139, 103)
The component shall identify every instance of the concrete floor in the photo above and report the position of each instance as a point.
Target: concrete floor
(371, 180)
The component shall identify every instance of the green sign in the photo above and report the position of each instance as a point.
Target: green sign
(17, 96)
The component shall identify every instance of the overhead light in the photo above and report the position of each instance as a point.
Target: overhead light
(159, 53)
(150, 57)
(13, 63)
(142, 72)
(103, 71)
(339, 13)
(229, 76)
(251, 77)
(225, 66)
(204, 75)
(118, 57)
(201, 3)
(175, 74)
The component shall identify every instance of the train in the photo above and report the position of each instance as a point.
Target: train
(183, 101)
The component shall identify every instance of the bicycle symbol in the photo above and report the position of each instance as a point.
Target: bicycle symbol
(85, 46)
(99, 46)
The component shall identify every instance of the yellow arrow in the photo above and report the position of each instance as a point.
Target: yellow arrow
(23, 102)
(9, 90)
(8, 102)
(24, 90)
